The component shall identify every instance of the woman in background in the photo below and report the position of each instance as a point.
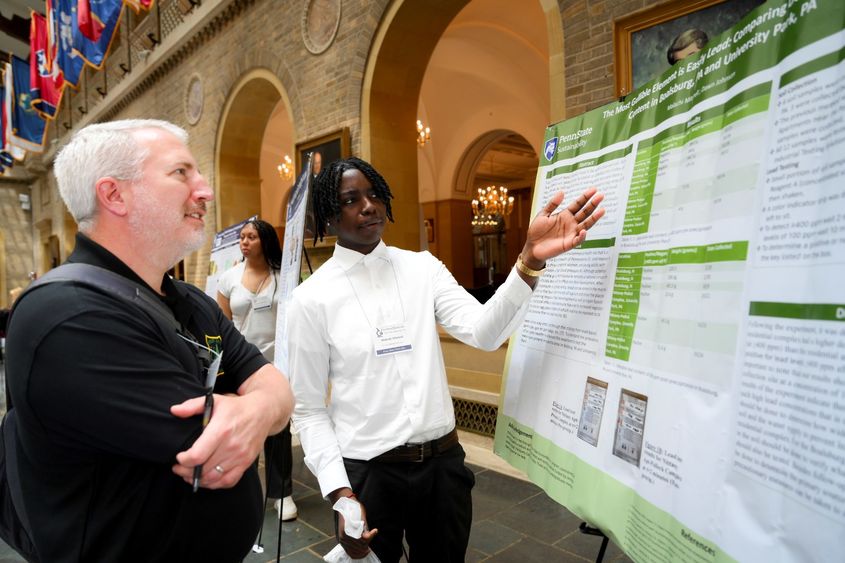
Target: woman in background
(247, 294)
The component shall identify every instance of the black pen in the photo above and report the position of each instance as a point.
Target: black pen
(210, 378)
(206, 416)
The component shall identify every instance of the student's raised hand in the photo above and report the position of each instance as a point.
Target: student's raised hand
(551, 234)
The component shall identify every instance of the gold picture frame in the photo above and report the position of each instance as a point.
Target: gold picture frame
(713, 16)
(331, 146)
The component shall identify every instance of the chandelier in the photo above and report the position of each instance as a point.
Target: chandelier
(286, 169)
(423, 134)
(491, 207)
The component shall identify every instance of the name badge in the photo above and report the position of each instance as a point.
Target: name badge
(262, 303)
(392, 339)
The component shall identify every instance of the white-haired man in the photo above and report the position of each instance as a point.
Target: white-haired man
(109, 405)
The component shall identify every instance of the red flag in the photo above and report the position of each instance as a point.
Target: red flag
(45, 86)
(88, 24)
(136, 5)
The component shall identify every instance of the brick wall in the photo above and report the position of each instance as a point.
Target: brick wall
(16, 238)
(588, 49)
(324, 90)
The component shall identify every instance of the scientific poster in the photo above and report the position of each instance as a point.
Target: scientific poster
(291, 260)
(679, 381)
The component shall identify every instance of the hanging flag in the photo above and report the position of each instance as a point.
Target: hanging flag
(70, 62)
(28, 127)
(6, 97)
(6, 158)
(106, 11)
(52, 33)
(136, 5)
(3, 136)
(89, 24)
(45, 85)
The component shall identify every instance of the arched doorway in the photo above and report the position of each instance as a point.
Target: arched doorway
(466, 69)
(400, 53)
(506, 159)
(255, 134)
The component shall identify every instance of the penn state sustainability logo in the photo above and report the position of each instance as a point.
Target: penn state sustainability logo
(551, 147)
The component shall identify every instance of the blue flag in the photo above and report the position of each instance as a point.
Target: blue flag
(28, 127)
(6, 148)
(107, 12)
(70, 62)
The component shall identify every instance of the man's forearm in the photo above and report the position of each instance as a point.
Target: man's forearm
(270, 389)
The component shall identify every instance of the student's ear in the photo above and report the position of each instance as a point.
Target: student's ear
(110, 192)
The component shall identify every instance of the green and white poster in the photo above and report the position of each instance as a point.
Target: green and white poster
(679, 381)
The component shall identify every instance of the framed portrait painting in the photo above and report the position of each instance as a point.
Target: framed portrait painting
(326, 148)
(646, 41)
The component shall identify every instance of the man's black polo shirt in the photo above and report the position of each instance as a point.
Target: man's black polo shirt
(93, 379)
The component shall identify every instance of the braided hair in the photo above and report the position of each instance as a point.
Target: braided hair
(326, 191)
(269, 243)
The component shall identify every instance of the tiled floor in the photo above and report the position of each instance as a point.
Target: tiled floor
(514, 521)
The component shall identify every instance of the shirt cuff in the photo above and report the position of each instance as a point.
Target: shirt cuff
(516, 289)
(333, 478)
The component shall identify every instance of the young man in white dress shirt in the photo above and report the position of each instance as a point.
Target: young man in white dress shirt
(366, 324)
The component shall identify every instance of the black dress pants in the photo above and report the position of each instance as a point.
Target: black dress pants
(278, 464)
(430, 503)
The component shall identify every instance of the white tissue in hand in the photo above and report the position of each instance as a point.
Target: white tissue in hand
(353, 525)
(338, 555)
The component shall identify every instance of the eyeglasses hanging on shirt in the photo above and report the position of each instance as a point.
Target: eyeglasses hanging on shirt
(212, 368)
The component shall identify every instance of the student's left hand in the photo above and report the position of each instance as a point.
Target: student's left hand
(551, 234)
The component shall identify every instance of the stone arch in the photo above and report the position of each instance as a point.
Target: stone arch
(470, 160)
(557, 66)
(240, 135)
(497, 157)
(401, 49)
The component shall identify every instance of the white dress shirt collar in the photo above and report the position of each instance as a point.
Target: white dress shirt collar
(347, 258)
